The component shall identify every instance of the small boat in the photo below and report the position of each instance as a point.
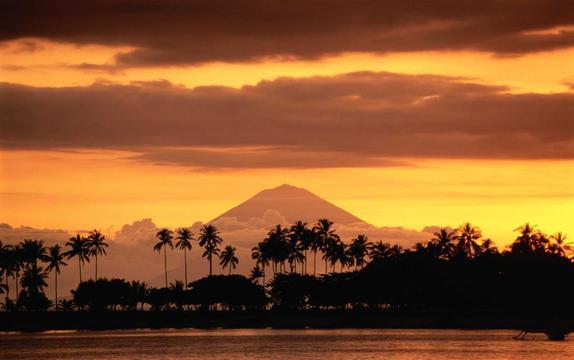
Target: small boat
(555, 332)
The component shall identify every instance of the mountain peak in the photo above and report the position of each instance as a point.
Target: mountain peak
(294, 203)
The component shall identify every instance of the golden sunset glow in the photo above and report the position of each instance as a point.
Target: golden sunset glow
(397, 127)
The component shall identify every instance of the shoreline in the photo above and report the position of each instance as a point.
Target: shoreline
(313, 319)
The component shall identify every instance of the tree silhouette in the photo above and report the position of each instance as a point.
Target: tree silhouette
(380, 251)
(165, 238)
(184, 238)
(209, 239)
(33, 251)
(261, 257)
(97, 246)
(444, 242)
(256, 274)
(468, 238)
(79, 247)
(228, 258)
(276, 247)
(559, 245)
(34, 279)
(329, 238)
(359, 249)
(299, 242)
(8, 267)
(55, 259)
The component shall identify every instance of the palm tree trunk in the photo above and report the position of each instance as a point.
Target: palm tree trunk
(80, 267)
(229, 270)
(165, 264)
(304, 269)
(210, 267)
(315, 263)
(263, 274)
(56, 290)
(185, 265)
(96, 266)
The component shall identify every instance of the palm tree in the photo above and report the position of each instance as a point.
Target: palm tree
(381, 250)
(559, 246)
(34, 279)
(488, 247)
(359, 249)
(78, 248)
(55, 260)
(315, 244)
(300, 241)
(444, 240)
(256, 274)
(209, 239)
(184, 238)
(97, 246)
(165, 239)
(327, 235)
(260, 256)
(7, 267)
(529, 240)
(32, 251)
(228, 258)
(331, 253)
(468, 237)
(276, 247)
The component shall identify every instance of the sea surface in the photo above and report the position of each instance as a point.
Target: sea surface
(346, 344)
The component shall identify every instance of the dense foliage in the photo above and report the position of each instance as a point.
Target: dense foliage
(454, 271)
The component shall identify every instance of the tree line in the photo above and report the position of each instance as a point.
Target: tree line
(455, 266)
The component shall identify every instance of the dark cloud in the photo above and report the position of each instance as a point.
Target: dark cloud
(356, 119)
(186, 32)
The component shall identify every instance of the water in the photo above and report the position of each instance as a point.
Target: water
(282, 344)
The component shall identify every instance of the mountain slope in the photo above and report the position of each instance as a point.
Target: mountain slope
(293, 203)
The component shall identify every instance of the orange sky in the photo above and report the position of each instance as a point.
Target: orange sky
(89, 187)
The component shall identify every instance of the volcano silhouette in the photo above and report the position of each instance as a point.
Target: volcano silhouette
(293, 203)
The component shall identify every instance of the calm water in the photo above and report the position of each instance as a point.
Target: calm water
(282, 344)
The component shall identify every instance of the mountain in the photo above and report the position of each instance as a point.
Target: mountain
(293, 203)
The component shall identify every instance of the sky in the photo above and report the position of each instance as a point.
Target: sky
(404, 113)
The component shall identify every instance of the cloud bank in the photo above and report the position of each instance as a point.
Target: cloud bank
(177, 32)
(355, 119)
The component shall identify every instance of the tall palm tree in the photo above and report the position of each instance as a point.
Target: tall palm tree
(328, 236)
(34, 279)
(300, 241)
(32, 252)
(7, 267)
(209, 239)
(359, 249)
(97, 246)
(165, 238)
(228, 258)
(260, 256)
(78, 248)
(55, 260)
(276, 246)
(468, 240)
(184, 238)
